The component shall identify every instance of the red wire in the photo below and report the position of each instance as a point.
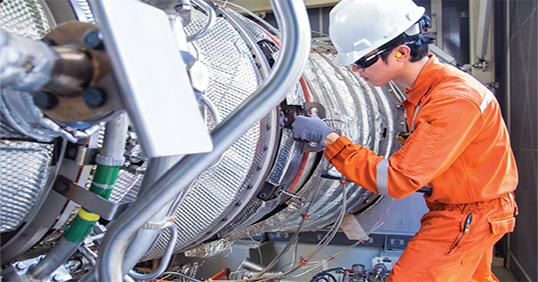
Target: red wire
(309, 98)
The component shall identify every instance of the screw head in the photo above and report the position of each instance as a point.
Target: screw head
(45, 100)
(94, 97)
(20, 266)
(93, 39)
(61, 187)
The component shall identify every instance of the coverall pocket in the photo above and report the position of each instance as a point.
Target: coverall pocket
(502, 226)
(499, 227)
(423, 142)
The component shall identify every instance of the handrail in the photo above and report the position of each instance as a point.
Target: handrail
(293, 19)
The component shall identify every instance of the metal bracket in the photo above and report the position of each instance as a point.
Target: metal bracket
(308, 108)
(81, 155)
(90, 201)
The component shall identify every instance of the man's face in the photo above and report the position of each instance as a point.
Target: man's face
(377, 74)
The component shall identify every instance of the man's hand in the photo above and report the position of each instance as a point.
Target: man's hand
(310, 129)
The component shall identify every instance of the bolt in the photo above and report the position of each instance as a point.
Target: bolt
(94, 97)
(288, 110)
(61, 187)
(72, 152)
(20, 266)
(94, 39)
(57, 278)
(183, 7)
(262, 195)
(45, 100)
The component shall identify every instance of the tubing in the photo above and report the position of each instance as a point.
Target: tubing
(288, 68)
(105, 176)
(145, 237)
(16, 53)
(250, 13)
(211, 16)
(166, 258)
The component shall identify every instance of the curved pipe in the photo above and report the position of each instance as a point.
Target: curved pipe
(250, 13)
(296, 45)
(165, 259)
(211, 16)
(216, 117)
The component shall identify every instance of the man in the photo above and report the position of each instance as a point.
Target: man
(458, 143)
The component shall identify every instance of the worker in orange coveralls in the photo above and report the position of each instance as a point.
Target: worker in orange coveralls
(458, 143)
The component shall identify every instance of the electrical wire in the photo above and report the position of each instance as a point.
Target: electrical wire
(250, 13)
(321, 245)
(288, 245)
(378, 224)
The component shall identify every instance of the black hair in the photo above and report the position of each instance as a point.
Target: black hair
(417, 43)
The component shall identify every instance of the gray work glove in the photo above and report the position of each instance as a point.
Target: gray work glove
(310, 129)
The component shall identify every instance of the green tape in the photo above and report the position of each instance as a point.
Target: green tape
(78, 230)
(106, 174)
(105, 177)
(103, 181)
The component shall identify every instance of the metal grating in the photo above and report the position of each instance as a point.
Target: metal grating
(252, 30)
(24, 17)
(233, 77)
(24, 170)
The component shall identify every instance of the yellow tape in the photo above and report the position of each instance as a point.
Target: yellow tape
(87, 215)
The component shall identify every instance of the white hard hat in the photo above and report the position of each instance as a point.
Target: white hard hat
(359, 26)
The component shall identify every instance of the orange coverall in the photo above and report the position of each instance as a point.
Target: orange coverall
(460, 147)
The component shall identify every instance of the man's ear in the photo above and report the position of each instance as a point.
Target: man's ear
(402, 52)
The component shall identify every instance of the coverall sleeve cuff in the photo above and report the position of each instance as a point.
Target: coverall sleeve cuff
(336, 147)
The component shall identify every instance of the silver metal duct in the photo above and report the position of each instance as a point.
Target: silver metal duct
(28, 18)
(24, 169)
(233, 76)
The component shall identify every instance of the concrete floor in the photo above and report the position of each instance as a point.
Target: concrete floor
(501, 272)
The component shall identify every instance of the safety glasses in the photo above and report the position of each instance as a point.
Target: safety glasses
(365, 62)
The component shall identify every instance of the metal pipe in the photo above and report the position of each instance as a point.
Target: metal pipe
(165, 259)
(110, 159)
(250, 13)
(145, 237)
(295, 48)
(114, 139)
(54, 259)
(25, 64)
(211, 16)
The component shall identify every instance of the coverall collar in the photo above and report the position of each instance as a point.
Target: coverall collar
(424, 81)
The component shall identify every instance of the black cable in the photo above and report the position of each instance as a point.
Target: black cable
(319, 279)
(327, 273)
